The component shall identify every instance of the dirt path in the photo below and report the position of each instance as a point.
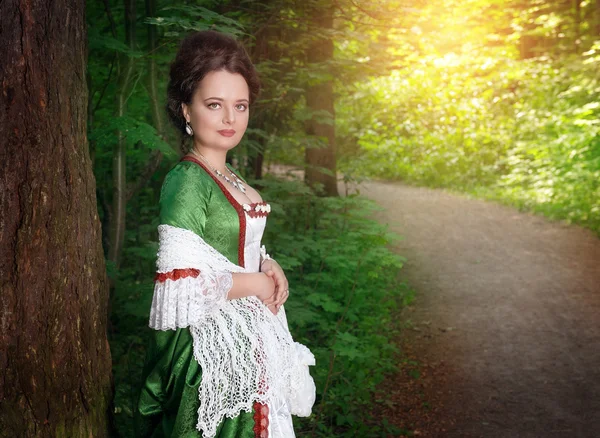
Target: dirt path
(506, 324)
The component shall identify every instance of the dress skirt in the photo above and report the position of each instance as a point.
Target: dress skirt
(168, 401)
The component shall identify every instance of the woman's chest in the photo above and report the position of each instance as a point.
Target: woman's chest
(235, 229)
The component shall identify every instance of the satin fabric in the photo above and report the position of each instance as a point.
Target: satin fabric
(168, 401)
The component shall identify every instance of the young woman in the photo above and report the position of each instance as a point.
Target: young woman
(221, 360)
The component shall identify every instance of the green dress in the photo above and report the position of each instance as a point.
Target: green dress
(191, 198)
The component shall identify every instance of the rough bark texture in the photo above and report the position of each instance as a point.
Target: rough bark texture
(54, 355)
(320, 97)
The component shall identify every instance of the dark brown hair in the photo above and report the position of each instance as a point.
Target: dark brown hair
(200, 53)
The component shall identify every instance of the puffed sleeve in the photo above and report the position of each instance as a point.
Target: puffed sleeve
(185, 292)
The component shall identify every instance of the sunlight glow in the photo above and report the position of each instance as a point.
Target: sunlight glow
(448, 60)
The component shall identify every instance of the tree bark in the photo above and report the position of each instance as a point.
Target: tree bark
(55, 359)
(319, 97)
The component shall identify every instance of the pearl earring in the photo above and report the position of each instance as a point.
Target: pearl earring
(188, 128)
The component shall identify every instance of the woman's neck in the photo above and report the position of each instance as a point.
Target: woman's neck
(215, 158)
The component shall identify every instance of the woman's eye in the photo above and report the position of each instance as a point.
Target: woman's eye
(242, 107)
(210, 105)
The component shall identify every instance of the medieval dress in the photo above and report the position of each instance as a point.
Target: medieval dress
(216, 367)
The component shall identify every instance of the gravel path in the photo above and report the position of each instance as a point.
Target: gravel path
(506, 321)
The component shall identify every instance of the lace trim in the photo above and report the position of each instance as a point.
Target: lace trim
(179, 248)
(234, 203)
(176, 274)
(257, 209)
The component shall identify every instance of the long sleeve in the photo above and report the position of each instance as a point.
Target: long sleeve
(184, 198)
(187, 290)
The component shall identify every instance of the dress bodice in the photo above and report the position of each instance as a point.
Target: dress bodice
(233, 228)
(256, 219)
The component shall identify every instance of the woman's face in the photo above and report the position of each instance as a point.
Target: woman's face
(219, 111)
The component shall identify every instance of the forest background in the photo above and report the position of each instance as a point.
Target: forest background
(497, 99)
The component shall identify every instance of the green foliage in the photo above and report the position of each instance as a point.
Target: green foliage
(192, 17)
(100, 42)
(436, 127)
(344, 293)
(524, 132)
(554, 164)
(133, 131)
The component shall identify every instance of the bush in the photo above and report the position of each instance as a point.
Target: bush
(344, 292)
(524, 132)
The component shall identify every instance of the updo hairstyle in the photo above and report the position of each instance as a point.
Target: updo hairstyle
(200, 53)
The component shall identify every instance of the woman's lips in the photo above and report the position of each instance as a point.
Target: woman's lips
(226, 132)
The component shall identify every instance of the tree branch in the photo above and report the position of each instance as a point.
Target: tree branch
(151, 165)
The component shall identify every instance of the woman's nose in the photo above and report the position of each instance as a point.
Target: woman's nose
(229, 116)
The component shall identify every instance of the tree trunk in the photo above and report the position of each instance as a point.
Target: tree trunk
(119, 199)
(55, 359)
(577, 24)
(261, 51)
(598, 18)
(157, 111)
(319, 97)
(152, 78)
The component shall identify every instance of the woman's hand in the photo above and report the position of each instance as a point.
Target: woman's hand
(274, 271)
(266, 288)
(257, 284)
(267, 292)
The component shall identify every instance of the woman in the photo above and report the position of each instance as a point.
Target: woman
(221, 361)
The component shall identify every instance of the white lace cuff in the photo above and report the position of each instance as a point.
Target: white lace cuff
(187, 301)
(192, 281)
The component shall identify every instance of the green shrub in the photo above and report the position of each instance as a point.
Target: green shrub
(344, 293)
(524, 132)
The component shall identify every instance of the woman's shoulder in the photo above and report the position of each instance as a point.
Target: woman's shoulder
(184, 197)
(188, 168)
(187, 180)
(188, 172)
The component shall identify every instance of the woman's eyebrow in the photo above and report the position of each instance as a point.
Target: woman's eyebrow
(218, 98)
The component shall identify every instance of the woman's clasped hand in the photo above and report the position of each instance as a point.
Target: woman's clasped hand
(278, 292)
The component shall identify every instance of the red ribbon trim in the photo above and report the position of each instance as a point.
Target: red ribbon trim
(176, 274)
(253, 213)
(234, 203)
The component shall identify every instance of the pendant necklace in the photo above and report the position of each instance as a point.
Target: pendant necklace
(236, 182)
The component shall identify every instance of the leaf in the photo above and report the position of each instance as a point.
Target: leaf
(325, 302)
(133, 131)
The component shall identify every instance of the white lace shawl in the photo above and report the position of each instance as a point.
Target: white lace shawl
(246, 353)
